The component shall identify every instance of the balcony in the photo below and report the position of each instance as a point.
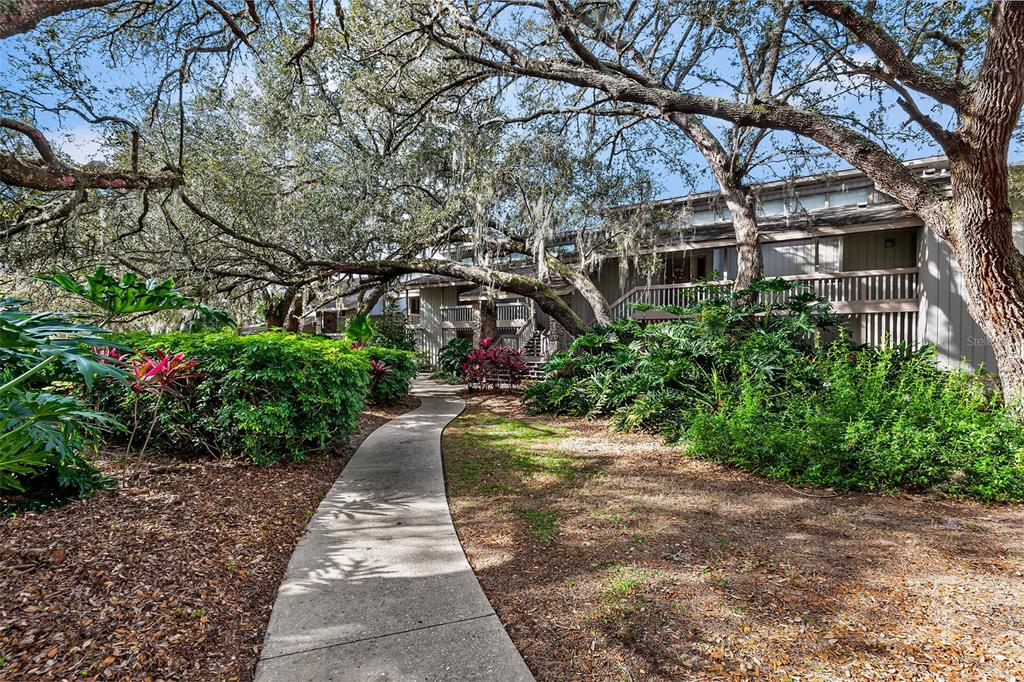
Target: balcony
(851, 293)
(458, 316)
(512, 314)
(465, 316)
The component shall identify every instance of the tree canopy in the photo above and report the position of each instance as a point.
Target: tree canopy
(267, 147)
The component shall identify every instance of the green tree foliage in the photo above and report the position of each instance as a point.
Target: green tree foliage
(391, 330)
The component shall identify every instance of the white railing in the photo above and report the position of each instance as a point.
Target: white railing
(897, 284)
(507, 312)
(667, 294)
(862, 285)
(413, 319)
(458, 313)
(522, 335)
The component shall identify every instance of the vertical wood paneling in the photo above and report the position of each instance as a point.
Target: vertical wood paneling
(944, 320)
(867, 250)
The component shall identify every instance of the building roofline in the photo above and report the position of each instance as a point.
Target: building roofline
(841, 175)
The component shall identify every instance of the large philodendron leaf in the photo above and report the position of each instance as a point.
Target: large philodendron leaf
(360, 329)
(131, 295)
(28, 339)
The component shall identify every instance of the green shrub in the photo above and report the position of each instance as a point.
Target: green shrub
(754, 385)
(881, 419)
(391, 331)
(265, 397)
(645, 375)
(450, 359)
(394, 383)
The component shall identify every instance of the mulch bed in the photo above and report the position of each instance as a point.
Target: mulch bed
(664, 567)
(171, 576)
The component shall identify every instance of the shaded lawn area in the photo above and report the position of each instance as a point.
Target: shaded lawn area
(172, 576)
(614, 557)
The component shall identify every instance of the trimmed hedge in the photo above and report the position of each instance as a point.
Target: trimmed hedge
(265, 397)
(394, 385)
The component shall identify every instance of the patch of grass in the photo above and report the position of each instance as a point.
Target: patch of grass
(625, 581)
(623, 612)
(542, 523)
(558, 465)
(499, 430)
(491, 454)
(468, 472)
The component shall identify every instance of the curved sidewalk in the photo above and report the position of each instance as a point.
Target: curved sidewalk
(379, 587)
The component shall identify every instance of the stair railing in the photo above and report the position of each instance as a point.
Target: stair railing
(523, 334)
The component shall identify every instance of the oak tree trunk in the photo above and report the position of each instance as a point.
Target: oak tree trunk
(741, 201)
(279, 308)
(749, 259)
(981, 238)
(487, 320)
(294, 320)
(978, 227)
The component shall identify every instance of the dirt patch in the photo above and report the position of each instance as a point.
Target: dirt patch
(171, 576)
(614, 557)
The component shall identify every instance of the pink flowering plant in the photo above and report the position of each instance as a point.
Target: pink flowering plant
(158, 375)
(163, 373)
(494, 365)
(378, 370)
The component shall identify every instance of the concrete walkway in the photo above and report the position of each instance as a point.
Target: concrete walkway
(379, 587)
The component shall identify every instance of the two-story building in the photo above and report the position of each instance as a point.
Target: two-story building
(835, 233)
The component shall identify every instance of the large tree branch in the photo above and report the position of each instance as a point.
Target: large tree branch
(51, 174)
(530, 287)
(890, 53)
(20, 17)
(888, 171)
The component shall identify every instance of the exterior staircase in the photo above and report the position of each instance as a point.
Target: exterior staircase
(532, 356)
(531, 349)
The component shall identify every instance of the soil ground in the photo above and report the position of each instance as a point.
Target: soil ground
(170, 576)
(614, 557)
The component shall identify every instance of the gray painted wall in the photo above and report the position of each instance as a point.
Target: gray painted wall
(868, 250)
(798, 257)
(432, 299)
(943, 318)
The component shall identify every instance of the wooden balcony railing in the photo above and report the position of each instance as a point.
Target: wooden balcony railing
(513, 312)
(458, 314)
(852, 292)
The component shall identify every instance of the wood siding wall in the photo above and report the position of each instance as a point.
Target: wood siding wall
(798, 257)
(431, 337)
(943, 319)
(868, 250)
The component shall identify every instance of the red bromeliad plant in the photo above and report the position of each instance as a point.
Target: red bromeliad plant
(492, 364)
(162, 373)
(157, 376)
(378, 370)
